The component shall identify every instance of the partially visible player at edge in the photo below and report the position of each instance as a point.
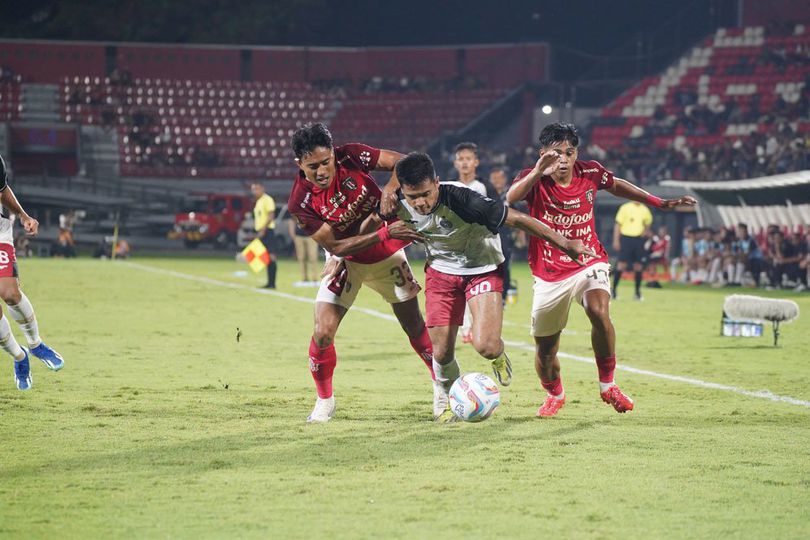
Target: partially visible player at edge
(335, 199)
(19, 307)
(561, 192)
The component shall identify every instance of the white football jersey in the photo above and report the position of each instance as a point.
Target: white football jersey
(461, 234)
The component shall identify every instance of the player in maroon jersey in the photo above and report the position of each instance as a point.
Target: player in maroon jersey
(561, 191)
(335, 199)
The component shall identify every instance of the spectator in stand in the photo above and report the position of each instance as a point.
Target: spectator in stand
(720, 256)
(699, 271)
(684, 259)
(804, 262)
(748, 257)
(658, 248)
(784, 270)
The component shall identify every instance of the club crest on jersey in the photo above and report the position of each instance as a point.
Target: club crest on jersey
(445, 223)
(589, 196)
(350, 184)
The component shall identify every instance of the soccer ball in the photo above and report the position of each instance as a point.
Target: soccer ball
(474, 397)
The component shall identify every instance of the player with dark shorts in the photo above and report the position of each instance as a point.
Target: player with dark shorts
(335, 199)
(561, 192)
(464, 262)
(633, 220)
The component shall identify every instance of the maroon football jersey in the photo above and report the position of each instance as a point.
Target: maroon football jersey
(348, 200)
(569, 211)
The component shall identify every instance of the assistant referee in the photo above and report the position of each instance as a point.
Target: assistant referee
(633, 220)
(264, 218)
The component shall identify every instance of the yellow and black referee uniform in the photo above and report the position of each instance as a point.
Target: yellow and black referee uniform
(632, 221)
(264, 219)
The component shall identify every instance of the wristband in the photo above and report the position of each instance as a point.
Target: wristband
(652, 200)
(383, 234)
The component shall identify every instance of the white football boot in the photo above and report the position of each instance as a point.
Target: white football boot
(323, 411)
(440, 400)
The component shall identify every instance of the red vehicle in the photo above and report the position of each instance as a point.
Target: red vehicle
(211, 217)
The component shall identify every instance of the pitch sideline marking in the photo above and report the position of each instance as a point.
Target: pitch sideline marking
(762, 394)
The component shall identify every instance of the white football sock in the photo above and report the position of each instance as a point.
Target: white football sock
(603, 386)
(23, 313)
(7, 341)
(446, 374)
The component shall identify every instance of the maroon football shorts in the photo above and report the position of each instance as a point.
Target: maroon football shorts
(447, 294)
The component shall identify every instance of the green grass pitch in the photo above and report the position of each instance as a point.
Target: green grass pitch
(162, 425)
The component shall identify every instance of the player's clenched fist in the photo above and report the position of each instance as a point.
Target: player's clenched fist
(30, 225)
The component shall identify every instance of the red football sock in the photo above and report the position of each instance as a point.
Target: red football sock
(554, 388)
(606, 366)
(424, 348)
(322, 365)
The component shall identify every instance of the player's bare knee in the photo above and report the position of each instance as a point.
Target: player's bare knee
(599, 314)
(324, 335)
(441, 353)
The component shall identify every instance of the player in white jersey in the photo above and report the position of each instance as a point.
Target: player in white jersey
(460, 230)
(19, 307)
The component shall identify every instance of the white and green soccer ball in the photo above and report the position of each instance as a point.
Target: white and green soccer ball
(474, 397)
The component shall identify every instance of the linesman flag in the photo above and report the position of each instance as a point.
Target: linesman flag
(256, 255)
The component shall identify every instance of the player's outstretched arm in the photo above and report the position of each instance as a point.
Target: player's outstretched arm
(9, 200)
(547, 164)
(388, 162)
(524, 222)
(325, 237)
(626, 190)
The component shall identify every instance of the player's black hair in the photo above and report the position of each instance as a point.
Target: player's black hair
(559, 132)
(415, 168)
(309, 137)
(471, 146)
(500, 168)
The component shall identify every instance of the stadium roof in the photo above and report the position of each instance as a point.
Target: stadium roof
(776, 189)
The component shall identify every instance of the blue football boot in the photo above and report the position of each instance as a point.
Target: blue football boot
(22, 373)
(49, 357)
